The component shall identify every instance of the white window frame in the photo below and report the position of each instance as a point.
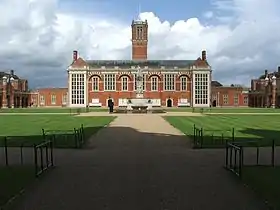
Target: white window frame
(184, 84)
(236, 99)
(154, 83)
(109, 82)
(201, 89)
(124, 83)
(78, 89)
(245, 100)
(64, 98)
(53, 99)
(169, 82)
(95, 83)
(42, 100)
(225, 99)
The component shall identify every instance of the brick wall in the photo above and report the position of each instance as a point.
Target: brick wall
(160, 94)
(50, 97)
(229, 96)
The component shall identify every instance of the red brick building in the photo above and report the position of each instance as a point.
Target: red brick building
(166, 82)
(229, 96)
(265, 90)
(13, 90)
(49, 97)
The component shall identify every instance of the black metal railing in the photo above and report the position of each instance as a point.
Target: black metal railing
(74, 138)
(7, 140)
(207, 138)
(43, 157)
(234, 156)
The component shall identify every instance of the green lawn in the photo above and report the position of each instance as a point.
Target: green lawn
(265, 182)
(27, 129)
(260, 128)
(13, 180)
(52, 110)
(224, 110)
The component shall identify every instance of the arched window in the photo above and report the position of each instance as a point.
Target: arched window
(154, 83)
(183, 84)
(124, 83)
(95, 83)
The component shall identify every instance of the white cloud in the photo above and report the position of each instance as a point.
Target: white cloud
(38, 41)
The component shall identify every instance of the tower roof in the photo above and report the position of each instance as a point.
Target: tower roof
(139, 22)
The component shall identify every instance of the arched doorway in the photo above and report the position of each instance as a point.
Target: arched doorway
(214, 103)
(169, 102)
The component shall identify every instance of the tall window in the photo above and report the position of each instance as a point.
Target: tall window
(169, 82)
(124, 83)
(64, 99)
(245, 100)
(95, 83)
(201, 89)
(78, 86)
(225, 99)
(53, 99)
(183, 83)
(236, 99)
(42, 100)
(154, 83)
(109, 82)
(139, 32)
(144, 82)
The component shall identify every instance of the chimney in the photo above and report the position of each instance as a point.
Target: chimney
(12, 72)
(75, 55)
(279, 69)
(203, 55)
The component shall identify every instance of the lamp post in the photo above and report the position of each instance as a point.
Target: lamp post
(273, 82)
(8, 94)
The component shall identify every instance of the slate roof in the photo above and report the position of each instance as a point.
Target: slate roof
(216, 84)
(150, 63)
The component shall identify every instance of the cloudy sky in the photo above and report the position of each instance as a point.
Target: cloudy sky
(242, 37)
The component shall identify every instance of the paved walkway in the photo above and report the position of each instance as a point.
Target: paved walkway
(139, 162)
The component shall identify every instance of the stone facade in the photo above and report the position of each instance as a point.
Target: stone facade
(13, 91)
(265, 90)
(166, 82)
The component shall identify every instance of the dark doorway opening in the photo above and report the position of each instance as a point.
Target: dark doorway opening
(214, 103)
(169, 103)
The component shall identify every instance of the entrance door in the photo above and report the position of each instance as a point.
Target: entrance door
(169, 103)
(214, 103)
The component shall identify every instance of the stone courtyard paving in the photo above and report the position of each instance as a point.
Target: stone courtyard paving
(139, 162)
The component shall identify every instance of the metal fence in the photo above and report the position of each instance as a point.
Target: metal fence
(74, 138)
(212, 138)
(43, 157)
(16, 151)
(235, 156)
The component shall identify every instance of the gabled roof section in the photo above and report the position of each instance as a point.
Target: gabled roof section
(201, 63)
(79, 63)
(150, 63)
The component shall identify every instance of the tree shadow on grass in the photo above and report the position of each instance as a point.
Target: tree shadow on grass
(60, 138)
(219, 138)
